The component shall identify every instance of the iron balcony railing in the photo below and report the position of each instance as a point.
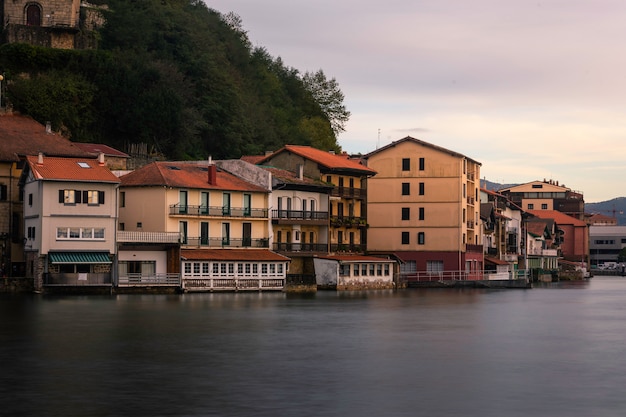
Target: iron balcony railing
(217, 211)
(218, 242)
(346, 247)
(348, 221)
(299, 215)
(301, 247)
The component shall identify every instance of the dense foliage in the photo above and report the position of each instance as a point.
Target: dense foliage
(178, 76)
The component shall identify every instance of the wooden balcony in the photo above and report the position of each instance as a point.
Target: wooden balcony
(217, 211)
(348, 192)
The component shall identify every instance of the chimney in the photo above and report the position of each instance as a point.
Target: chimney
(300, 171)
(101, 159)
(212, 169)
(40, 159)
(48, 127)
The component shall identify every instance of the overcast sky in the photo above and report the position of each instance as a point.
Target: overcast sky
(530, 89)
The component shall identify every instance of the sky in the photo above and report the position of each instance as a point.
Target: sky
(532, 90)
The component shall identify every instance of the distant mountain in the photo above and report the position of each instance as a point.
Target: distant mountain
(494, 186)
(612, 208)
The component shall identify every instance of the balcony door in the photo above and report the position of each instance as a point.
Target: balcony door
(247, 205)
(225, 234)
(247, 234)
(182, 202)
(204, 233)
(226, 204)
(204, 202)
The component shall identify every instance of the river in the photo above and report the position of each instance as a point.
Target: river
(555, 350)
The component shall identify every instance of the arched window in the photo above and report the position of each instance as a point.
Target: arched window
(33, 15)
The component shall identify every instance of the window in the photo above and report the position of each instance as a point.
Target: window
(372, 268)
(406, 164)
(531, 206)
(379, 270)
(122, 226)
(3, 192)
(329, 179)
(405, 213)
(405, 238)
(78, 233)
(421, 191)
(420, 238)
(422, 164)
(122, 198)
(182, 229)
(421, 213)
(93, 197)
(544, 206)
(139, 225)
(356, 270)
(68, 196)
(182, 202)
(364, 270)
(31, 232)
(406, 188)
(33, 15)
(386, 270)
(247, 204)
(204, 202)
(344, 269)
(434, 266)
(30, 200)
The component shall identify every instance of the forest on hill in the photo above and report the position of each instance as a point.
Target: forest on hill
(178, 76)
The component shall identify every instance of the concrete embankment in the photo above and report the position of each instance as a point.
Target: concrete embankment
(495, 284)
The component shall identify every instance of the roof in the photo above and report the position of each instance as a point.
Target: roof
(253, 159)
(186, 175)
(537, 228)
(536, 186)
(558, 217)
(495, 261)
(70, 169)
(355, 258)
(422, 143)
(22, 135)
(328, 160)
(287, 177)
(232, 255)
(96, 148)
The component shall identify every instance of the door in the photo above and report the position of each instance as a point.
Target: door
(247, 234)
(182, 202)
(204, 233)
(204, 203)
(247, 205)
(226, 204)
(225, 234)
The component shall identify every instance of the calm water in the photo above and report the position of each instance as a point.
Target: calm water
(559, 350)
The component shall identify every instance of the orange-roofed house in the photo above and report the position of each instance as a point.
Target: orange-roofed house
(348, 195)
(424, 207)
(211, 210)
(21, 136)
(70, 212)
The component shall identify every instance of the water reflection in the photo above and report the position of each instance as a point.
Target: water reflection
(547, 351)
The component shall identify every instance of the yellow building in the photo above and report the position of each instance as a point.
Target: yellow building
(424, 206)
(348, 195)
(222, 223)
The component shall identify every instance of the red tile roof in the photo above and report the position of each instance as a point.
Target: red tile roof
(422, 143)
(326, 159)
(186, 175)
(96, 148)
(558, 217)
(21, 136)
(70, 169)
(536, 228)
(495, 261)
(253, 159)
(251, 255)
(289, 177)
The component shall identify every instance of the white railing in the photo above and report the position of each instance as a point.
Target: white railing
(124, 236)
(156, 280)
(233, 284)
(424, 276)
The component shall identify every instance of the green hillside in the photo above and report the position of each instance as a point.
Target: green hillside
(179, 77)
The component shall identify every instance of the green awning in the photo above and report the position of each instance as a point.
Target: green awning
(79, 257)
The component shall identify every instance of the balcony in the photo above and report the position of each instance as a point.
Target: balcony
(543, 252)
(218, 242)
(348, 192)
(299, 217)
(217, 211)
(345, 247)
(470, 201)
(348, 221)
(470, 224)
(301, 247)
(147, 237)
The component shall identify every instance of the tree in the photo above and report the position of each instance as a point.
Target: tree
(329, 97)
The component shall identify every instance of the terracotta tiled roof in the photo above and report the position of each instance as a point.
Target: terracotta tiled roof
(326, 159)
(558, 217)
(70, 169)
(258, 255)
(96, 148)
(21, 136)
(186, 175)
(536, 228)
(253, 159)
(355, 258)
(495, 261)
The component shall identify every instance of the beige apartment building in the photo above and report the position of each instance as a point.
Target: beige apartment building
(424, 207)
(547, 195)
